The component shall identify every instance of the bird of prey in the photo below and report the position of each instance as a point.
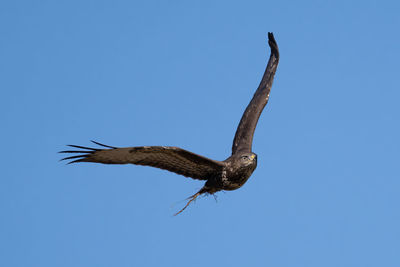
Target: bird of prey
(229, 174)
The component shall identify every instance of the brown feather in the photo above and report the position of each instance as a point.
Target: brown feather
(173, 159)
(244, 134)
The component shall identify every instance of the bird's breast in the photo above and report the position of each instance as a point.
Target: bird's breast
(233, 179)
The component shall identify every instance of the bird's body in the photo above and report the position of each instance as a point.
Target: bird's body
(237, 171)
(229, 174)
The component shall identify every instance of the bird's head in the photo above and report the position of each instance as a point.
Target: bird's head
(248, 159)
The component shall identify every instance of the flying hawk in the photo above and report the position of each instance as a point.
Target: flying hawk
(229, 174)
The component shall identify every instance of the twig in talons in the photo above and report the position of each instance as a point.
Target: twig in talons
(187, 204)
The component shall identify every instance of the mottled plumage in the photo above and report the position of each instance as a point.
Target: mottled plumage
(229, 174)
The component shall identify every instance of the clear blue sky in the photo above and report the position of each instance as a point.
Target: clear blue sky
(180, 73)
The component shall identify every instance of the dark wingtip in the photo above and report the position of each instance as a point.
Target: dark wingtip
(75, 151)
(67, 163)
(74, 157)
(79, 158)
(273, 45)
(84, 147)
(75, 161)
(100, 144)
(84, 153)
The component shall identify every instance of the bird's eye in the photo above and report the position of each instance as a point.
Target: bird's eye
(248, 157)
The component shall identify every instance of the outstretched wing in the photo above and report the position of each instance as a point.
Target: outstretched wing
(172, 159)
(245, 131)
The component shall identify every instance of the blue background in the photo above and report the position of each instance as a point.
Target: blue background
(180, 73)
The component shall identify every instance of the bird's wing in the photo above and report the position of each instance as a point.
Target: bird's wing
(173, 159)
(245, 131)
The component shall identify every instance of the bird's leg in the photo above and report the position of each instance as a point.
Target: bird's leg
(190, 200)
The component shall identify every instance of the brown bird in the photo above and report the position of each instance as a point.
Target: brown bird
(229, 174)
